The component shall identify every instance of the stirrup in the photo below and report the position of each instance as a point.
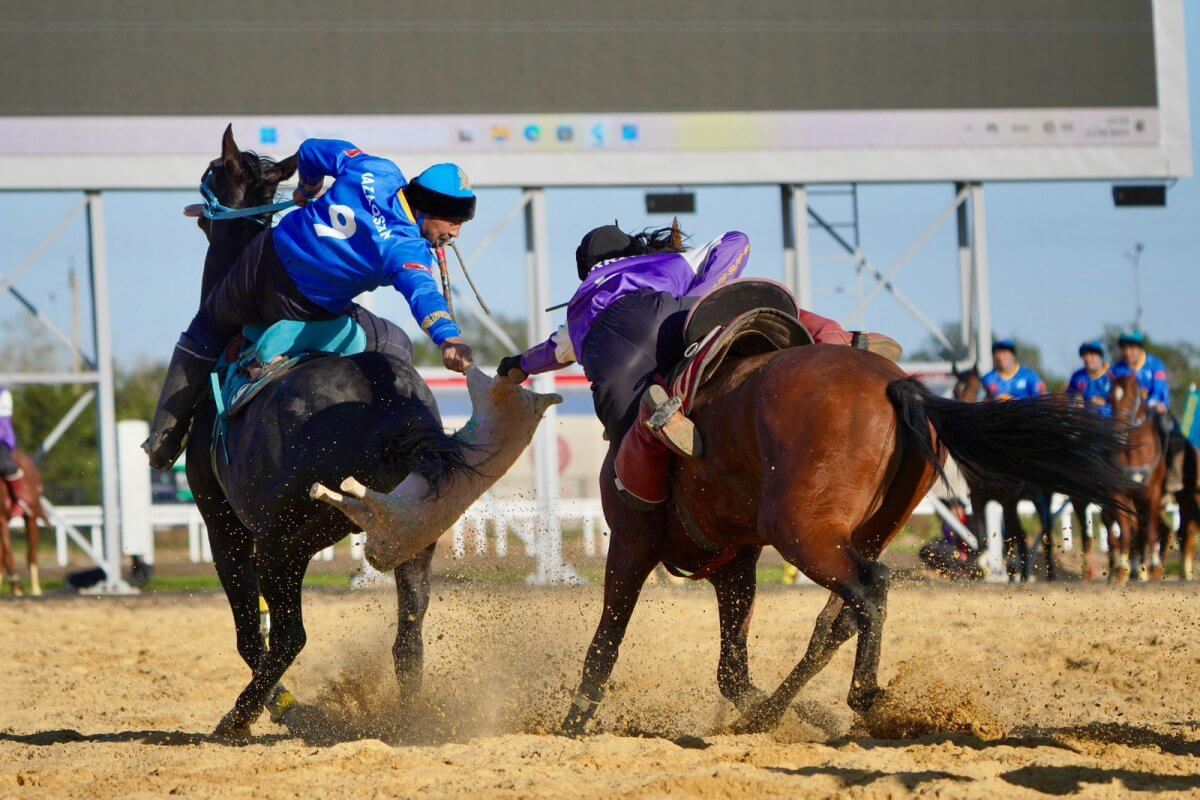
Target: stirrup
(668, 424)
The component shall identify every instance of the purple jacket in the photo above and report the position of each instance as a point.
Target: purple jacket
(696, 273)
(8, 436)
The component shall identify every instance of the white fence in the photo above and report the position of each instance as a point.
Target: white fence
(488, 524)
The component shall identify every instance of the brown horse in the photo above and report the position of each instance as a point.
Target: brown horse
(968, 387)
(822, 452)
(31, 507)
(1143, 462)
(1188, 499)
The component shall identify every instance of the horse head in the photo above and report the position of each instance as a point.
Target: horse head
(240, 179)
(968, 386)
(1127, 398)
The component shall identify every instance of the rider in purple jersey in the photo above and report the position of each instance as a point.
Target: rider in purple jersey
(625, 328)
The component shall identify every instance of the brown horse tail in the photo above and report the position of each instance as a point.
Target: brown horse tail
(1047, 442)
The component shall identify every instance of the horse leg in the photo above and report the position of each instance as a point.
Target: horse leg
(280, 575)
(412, 601)
(1043, 502)
(7, 567)
(835, 625)
(1016, 547)
(859, 603)
(1155, 537)
(735, 586)
(1187, 533)
(32, 540)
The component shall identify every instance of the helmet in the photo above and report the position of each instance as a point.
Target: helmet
(1094, 346)
(600, 244)
(442, 191)
(1136, 338)
(1004, 344)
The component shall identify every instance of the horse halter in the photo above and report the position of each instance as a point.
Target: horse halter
(214, 209)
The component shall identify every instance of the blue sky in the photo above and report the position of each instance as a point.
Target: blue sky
(1058, 272)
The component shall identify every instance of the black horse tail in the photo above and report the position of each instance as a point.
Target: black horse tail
(422, 446)
(1048, 442)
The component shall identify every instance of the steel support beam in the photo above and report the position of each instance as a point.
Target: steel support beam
(983, 300)
(966, 288)
(797, 256)
(548, 533)
(106, 395)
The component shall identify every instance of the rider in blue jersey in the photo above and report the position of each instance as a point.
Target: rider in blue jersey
(1152, 376)
(370, 228)
(1092, 384)
(1009, 380)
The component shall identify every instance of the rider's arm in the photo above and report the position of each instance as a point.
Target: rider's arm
(1037, 386)
(318, 158)
(1160, 388)
(411, 272)
(554, 353)
(722, 260)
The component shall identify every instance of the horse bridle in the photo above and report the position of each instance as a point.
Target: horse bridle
(214, 209)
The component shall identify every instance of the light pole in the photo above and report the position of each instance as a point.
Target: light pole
(1135, 258)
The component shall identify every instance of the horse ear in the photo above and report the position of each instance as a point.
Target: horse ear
(231, 154)
(283, 169)
(676, 234)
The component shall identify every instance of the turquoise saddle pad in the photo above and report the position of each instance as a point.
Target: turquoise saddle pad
(271, 352)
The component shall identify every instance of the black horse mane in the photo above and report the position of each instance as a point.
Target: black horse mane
(257, 191)
(655, 240)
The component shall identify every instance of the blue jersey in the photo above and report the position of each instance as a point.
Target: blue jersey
(1152, 375)
(1021, 385)
(1093, 391)
(360, 235)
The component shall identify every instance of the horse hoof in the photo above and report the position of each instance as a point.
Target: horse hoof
(760, 718)
(750, 699)
(228, 731)
(281, 702)
(862, 702)
(1157, 573)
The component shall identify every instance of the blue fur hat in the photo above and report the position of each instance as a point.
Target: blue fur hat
(442, 191)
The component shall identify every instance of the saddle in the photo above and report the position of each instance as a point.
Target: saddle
(745, 318)
(263, 355)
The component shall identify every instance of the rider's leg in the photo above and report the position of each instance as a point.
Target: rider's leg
(826, 331)
(383, 336)
(631, 342)
(257, 289)
(12, 474)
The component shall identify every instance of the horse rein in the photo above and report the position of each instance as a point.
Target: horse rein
(214, 209)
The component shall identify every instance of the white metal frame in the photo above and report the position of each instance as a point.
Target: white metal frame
(99, 377)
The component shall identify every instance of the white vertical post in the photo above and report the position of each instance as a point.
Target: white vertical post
(983, 301)
(548, 531)
(993, 522)
(137, 537)
(797, 259)
(966, 289)
(106, 400)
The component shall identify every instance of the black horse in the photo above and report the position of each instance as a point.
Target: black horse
(369, 415)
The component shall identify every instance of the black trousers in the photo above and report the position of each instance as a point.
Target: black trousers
(258, 291)
(8, 464)
(637, 337)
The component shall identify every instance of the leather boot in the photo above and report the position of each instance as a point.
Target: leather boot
(662, 415)
(187, 376)
(642, 464)
(16, 491)
(877, 343)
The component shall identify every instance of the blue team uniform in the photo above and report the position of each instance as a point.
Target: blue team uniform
(1021, 385)
(360, 235)
(1092, 390)
(1152, 376)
